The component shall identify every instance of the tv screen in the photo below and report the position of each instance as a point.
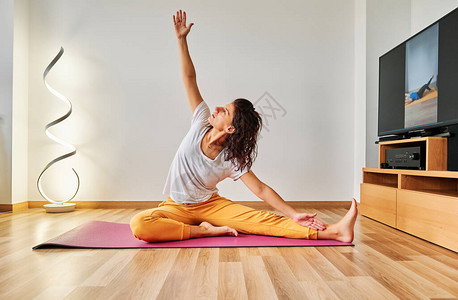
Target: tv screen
(418, 80)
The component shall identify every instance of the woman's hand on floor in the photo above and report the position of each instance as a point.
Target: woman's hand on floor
(308, 220)
(179, 23)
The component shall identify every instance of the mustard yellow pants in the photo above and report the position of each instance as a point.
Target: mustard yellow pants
(171, 221)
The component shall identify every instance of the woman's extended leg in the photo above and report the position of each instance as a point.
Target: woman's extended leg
(223, 212)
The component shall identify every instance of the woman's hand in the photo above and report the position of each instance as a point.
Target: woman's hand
(179, 23)
(308, 220)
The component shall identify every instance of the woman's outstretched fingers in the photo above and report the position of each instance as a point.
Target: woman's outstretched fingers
(184, 18)
(320, 225)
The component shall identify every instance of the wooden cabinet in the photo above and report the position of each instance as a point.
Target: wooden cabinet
(421, 203)
(431, 216)
(379, 203)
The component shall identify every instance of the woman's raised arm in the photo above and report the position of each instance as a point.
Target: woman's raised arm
(188, 73)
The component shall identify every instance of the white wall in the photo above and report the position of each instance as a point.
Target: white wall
(121, 72)
(359, 151)
(20, 101)
(426, 12)
(6, 80)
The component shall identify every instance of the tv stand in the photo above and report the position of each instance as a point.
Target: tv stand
(421, 203)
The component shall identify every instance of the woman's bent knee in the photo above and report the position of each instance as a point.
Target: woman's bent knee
(155, 225)
(142, 229)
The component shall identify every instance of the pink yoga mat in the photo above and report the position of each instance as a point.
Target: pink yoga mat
(98, 234)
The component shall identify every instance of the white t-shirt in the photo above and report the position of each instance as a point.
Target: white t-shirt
(193, 176)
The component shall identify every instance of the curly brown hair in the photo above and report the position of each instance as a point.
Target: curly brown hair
(241, 146)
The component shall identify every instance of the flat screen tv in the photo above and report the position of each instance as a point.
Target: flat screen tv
(418, 82)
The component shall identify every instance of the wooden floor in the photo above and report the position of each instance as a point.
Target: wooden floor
(384, 264)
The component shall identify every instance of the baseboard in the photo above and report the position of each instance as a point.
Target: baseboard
(151, 204)
(6, 207)
(14, 207)
(103, 204)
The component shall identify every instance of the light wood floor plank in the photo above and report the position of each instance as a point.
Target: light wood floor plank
(143, 277)
(452, 262)
(269, 251)
(257, 280)
(249, 251)
(431, 263)
(339, 261)
(178, 283)
(433, 276)
(111, 268)
(38, 274)
(399, 280)
(285, 284)
(86, 292)
(321, 265)
(299, 265)
(318, 290)
(231, 281)
(55, 292)
(205, 278)
(229, 255)
(389, 249)
(360, 287)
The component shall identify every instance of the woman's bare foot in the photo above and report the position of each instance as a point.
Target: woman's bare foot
(344, 229)
(206, 229)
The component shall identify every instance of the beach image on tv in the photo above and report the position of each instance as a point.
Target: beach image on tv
(421, 94)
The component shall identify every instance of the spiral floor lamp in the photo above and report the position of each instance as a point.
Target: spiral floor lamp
(56, 205)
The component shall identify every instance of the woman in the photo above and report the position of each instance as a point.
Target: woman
(218, 146)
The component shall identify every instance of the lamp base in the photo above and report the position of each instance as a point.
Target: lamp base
(59, 208)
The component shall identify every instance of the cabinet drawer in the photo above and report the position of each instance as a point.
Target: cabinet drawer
(429, 216)
(379, 203)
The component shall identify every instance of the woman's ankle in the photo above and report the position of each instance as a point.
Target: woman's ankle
(330, 233)
(198, 231)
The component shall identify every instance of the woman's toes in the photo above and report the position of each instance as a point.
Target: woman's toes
(231, 231)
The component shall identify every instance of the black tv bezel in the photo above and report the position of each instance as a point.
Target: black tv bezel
(413, 128)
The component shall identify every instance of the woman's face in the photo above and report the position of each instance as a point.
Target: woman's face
(222, 117)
